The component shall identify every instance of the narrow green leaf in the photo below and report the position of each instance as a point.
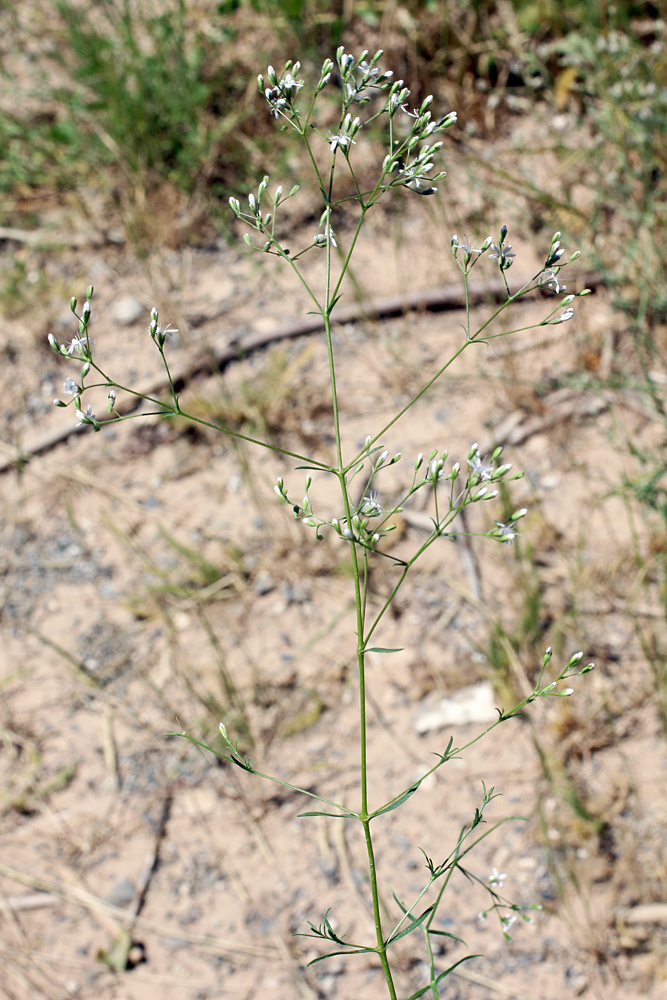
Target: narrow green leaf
(466, 958)
(383, 649)
(413, 925)
(349, 815)
(447, 934)
(337, 954)
(425, 989)
(399, 902)
(395, 803)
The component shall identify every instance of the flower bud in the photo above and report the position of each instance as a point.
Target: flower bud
(59, 402)
(54, 343)
(72, 303)
(501, 471)
(89, 292)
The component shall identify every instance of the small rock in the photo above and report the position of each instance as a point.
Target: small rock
(470, 704)
(128, 310)
(264, 583)
(122, 893)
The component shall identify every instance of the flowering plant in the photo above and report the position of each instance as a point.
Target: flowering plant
(365, 93)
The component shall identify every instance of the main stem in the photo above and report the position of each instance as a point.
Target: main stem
(381, 946)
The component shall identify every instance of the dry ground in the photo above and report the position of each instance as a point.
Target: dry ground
(148, 566)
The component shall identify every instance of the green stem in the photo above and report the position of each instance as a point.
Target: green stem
(381, 946)
(173, 411)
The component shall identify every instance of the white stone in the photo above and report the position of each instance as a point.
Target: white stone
(471, 704)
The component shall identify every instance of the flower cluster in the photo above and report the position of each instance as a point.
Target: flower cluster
(157, 333)
(281, 92)
(345, 137)
(361, 76)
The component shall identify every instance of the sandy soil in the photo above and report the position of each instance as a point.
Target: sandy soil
(148, 566)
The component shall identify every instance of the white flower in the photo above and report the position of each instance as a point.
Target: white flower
(371, 505)
(85, 418)
(276, 100)
(79, 347)
(71, 388)
(505, 258)
(496, 878)
(370, 72)
(549, 279)
(506, 532)
(340, 140)
(479, 470)
(288, 82)
(416, 175)
(327, 236)
(396, 101)
(565, 315)
(466, 245)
